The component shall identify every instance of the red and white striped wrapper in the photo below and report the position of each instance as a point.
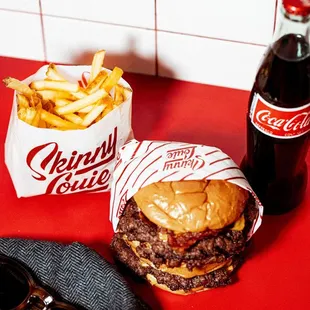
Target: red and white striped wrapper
(142, 163)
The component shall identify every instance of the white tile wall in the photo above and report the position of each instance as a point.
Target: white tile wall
(24, 39)
(209, 61)
(72, 41)
(139, 13)
(206, 41)
(239, 20)
(21, 5)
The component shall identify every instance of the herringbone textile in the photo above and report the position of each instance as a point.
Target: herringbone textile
(77, 273)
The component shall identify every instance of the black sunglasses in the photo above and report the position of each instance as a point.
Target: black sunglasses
(19, 290)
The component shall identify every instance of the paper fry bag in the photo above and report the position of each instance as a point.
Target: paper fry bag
(49, 161)
(142, 163)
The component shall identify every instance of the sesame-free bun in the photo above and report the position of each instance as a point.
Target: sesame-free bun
(192, 206)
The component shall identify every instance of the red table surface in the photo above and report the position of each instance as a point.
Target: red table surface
(276, 273)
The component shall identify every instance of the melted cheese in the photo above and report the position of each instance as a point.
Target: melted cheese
(239, 225)
(180, 271)
(164, 287)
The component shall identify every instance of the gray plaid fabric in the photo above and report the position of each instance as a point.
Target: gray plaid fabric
(77, 273)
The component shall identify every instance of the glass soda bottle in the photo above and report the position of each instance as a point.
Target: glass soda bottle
(278, 118)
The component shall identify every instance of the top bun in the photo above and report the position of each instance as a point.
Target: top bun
(192, 206)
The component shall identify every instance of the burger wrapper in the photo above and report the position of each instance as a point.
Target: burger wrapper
(49, 161)
(142, 163)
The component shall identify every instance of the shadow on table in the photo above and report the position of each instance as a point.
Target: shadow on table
(150, 92)
(271, 230)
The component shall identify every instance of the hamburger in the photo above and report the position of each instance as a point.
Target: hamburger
(185, 236)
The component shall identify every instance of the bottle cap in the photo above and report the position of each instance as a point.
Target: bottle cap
(297, 7)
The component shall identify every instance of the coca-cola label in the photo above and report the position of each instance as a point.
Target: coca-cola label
(279, 122)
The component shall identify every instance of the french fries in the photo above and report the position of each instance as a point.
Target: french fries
(27, 115)
(42, 124)
(87, 109)
(62, 102)
(57, 121)
(53, 95)
(74, 118)
(118, 94)
(55, 103)
(109, 106)
(112, 79)
(96, 83)
(52, 73)
(55, 85)
(22, 100)
(93, 114)
(35, 100)
(18, 86)
(106, 111)
(82, 103)
(37, 118)
(79, 94)
(48, 105)
(96, 65)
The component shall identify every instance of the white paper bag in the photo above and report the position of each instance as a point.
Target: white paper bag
(48, 161)
(142, 163)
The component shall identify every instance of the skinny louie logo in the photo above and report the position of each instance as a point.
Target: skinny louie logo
(76, 173)
(183, 158)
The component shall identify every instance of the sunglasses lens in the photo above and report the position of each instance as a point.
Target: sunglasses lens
(14, 287)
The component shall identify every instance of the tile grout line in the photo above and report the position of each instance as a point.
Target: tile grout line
(275, 16)
(156, 38)
(19, 11)
(43, 31)
(77, 19)
(136, 27)
(212, 38)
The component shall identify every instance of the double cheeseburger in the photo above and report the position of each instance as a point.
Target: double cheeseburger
(185, 236)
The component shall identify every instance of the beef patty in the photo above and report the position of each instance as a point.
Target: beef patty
(124, 254)
(192, 249)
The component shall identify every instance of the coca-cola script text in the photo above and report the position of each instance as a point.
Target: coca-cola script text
(279, 122)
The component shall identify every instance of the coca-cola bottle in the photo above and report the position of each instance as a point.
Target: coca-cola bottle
(278, 119)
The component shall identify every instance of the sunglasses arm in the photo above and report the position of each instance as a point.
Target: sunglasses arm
(43, 296)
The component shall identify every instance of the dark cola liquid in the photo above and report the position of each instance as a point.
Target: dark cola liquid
(276, 168)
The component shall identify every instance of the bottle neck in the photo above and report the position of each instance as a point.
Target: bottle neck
(292, 24)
